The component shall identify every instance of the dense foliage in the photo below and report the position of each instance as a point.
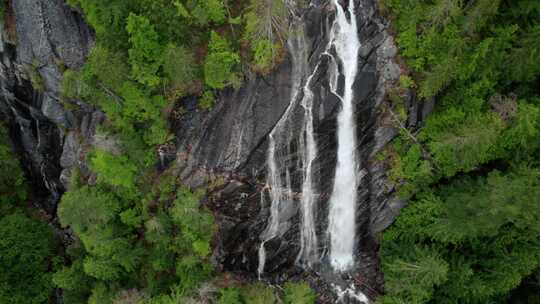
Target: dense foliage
(12, 185)
(141, 237)
(26, 244)
(144, 242)
(294, 293)
(471, 174)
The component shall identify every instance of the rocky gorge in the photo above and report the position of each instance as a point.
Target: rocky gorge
(226, 149)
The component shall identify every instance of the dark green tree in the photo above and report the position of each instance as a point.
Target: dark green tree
(220, 63)
(26, 247)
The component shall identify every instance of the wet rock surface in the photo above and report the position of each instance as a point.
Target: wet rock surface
(233, 143)
(46, 37)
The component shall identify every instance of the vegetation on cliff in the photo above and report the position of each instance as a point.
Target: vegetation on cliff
(139, 236)
(26, 243)
(471, 174)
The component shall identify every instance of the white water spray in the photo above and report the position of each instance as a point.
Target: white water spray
(345, 295)
(342, 226)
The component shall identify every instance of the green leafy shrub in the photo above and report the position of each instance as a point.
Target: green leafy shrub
(86, 208)
(109, 67)
(145, 50)
(192, 271)
(208, 11)
(180, 69)
(412, 279)
(299, 293)
(220, 63)
(196, 224)
(207, 100)
(113, 170)
(107, 18)
(32, 70)
(101, 295)
(102, 268)
(229, 295)
(264, 54)
(259, 293)
(75, 284)
(131, 217)
(266, 30)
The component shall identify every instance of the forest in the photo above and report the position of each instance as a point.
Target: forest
(470, 174)
(470, 233)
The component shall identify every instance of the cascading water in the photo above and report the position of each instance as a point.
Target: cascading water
(342, 226)
(279, 151)
(308, 147)
(344, 40)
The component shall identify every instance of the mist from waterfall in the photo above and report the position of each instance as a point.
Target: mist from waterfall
(342, 225)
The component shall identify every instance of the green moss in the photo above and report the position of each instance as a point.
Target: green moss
(258, 293)
(207, 100)
(32, 70)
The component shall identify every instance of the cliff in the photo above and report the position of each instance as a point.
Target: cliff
(225, 149)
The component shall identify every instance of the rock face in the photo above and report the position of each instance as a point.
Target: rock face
(224, 150)
(40, 39)
(230, 145)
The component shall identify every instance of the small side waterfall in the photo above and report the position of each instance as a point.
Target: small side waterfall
(342, 213)
(279, 160)
(308, 147)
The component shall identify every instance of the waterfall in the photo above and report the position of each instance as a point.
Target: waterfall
(344, 38)
(308, 147)
(342, 224)
(279, 149)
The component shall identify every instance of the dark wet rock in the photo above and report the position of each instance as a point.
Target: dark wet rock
(48, 36)
(53, 110)
(232, 141)
(232, 135)
(70, 151)
(50, 33)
